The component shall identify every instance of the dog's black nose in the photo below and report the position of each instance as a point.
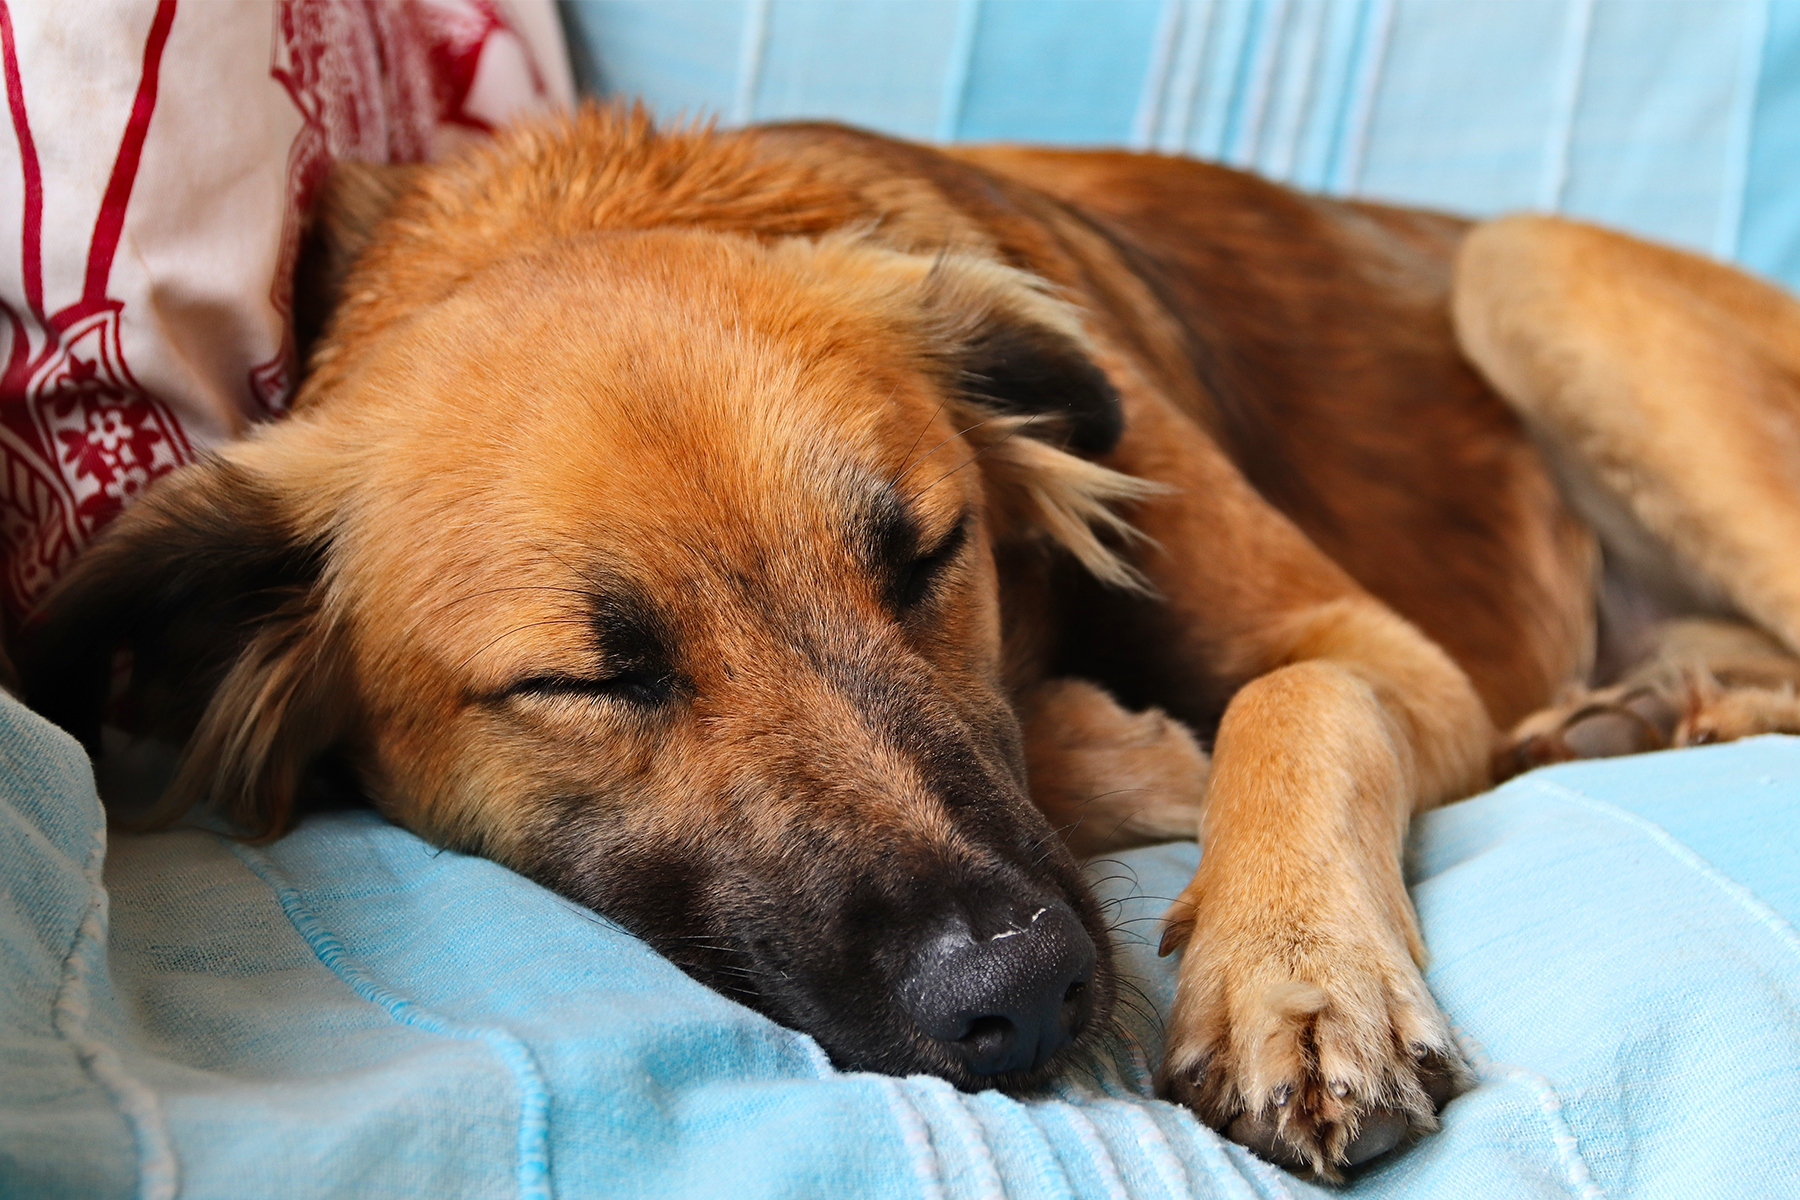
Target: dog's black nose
(1008, 997)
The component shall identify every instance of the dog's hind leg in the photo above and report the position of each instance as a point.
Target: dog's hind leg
(1664, 389)
(1109, 779)
(1703, 680)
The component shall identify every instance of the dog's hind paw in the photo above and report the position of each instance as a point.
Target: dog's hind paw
(1706, 681)
(1316, 1059)
(1107, 778)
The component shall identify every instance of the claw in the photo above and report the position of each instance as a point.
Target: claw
(1178, 926)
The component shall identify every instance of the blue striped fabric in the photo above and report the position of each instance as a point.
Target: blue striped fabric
(351, 1013)
(1679, 119)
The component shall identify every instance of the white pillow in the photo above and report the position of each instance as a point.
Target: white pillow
(155, 162)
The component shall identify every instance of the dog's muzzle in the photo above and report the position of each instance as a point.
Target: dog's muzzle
(1007, 991)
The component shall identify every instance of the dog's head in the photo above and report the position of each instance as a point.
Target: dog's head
(659, 565)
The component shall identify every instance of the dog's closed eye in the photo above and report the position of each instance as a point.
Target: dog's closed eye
(648, 686)
(636, 667)
(914, 579)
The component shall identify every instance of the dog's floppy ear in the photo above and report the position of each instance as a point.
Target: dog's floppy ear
(349, 204)
(216, 594)
(1017, 364)
(1039, 410)
(1017, 350)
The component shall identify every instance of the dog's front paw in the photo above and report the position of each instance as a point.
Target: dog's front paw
(1314, 1043)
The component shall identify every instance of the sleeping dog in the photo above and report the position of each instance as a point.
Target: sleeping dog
(800, 546)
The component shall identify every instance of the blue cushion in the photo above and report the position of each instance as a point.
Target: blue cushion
(350, 1012)
(1679, 119)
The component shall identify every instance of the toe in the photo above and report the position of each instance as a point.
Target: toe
(1381, 1130)
(1260, 1133)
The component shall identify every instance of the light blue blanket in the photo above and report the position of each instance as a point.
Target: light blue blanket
(352, 1013)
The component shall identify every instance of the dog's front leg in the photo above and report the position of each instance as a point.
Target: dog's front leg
(1302, 1026)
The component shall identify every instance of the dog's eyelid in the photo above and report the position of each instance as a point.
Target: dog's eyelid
(646, 687)
(951, 543)
(914, 582)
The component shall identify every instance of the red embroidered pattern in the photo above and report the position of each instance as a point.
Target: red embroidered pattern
(78, 435)
(371, 82)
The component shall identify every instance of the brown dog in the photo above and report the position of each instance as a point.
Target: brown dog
(738, 532)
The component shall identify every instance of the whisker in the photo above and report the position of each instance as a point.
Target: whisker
(1114, 792)
(1010, 435)
(906, 459)
(580, 574)
(927, 456)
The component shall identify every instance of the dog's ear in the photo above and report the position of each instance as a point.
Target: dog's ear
(1037, 409)
(1020, 366)
(1017, 350)
(347, 207)
(216, 594)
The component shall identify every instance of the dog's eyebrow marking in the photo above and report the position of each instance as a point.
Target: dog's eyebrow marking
(891, 532)
(634, 644)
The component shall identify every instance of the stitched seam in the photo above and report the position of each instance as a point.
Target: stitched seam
(1148, 120)
(915, 1135)
(955, 1114)
(158, 1171)
(1184, 84)
(1741, 895)
(1562, 1136)
(1312, 59)
(1560, 139)
(1728, 237)
(1351, 156)
(1151, 1139)
(752, 50)
(534, 1095)
(1271, 34)
(956, 72)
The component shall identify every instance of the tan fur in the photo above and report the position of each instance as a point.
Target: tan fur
(1664, 384)
(1108, 778)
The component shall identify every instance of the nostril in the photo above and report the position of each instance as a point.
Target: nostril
(988, 1036)
(1009, 1001)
